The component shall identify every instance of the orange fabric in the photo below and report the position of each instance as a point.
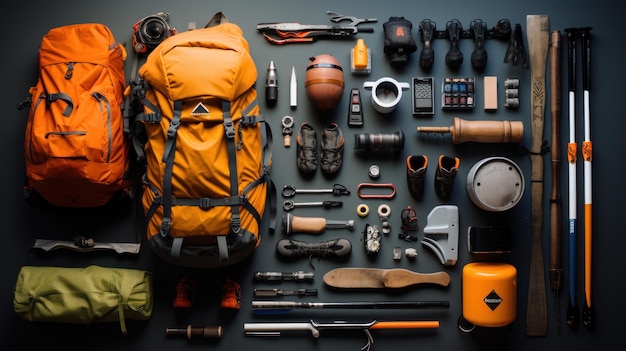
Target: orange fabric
(204, 66)
(79, 160)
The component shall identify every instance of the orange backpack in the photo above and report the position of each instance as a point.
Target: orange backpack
(206, 146)
(76, 144)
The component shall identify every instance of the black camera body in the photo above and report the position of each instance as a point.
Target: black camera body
(150, 31)
(399, 42)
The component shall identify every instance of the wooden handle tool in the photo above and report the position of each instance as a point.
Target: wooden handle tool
(374, 278)
(463, 131)
(312, 225)
(538, 28)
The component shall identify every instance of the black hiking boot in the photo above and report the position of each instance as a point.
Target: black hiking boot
(332, 149)
(447, 168)
(416, 166)
(306, 154)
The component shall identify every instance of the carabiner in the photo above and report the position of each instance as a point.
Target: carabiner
(362, 186)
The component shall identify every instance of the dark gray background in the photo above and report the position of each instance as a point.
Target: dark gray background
(29, 21)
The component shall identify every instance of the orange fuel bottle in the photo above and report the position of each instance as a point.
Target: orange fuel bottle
(360, 56)
(489, 294)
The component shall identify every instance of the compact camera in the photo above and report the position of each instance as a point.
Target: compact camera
(150, 31)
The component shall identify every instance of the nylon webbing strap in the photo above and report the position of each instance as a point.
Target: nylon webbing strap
(177, 247)
(62, 96)
(222, 247)
(98, 96)
(266, 135)
(138, 88)
(232, 164)
(168, 159)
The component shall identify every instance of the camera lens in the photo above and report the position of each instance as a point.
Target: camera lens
(380, 141)
(153, 31)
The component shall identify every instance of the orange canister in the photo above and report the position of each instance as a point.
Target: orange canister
(489, 293)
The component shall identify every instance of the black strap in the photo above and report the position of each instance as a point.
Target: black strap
(229, 130)
(168, 159)
(177, 248)
(138, 91)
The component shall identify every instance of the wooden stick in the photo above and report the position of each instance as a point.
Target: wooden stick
(538, 38)
(556, 271)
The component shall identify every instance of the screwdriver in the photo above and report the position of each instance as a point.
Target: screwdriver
(276, 276)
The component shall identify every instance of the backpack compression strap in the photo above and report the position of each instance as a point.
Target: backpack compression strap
(168, 159)
(138, 88)
(234, 201)
(62, 96)
(235, 219)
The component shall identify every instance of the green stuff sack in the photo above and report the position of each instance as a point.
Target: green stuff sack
(83, 295)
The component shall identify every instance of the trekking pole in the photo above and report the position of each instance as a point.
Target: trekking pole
(586, 152)
(572, 308)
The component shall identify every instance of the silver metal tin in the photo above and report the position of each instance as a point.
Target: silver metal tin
(495, 184)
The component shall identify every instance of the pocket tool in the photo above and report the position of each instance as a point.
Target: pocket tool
(337, 190)
(292, 32)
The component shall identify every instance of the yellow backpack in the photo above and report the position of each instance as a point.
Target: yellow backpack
(206, 146)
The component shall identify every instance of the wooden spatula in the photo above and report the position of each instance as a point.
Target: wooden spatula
(370, 278)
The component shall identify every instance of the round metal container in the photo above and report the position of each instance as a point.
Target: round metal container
(495, 184)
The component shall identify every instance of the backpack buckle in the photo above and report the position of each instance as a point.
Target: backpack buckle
(137, 88)
(235, 223)
(205, 202)
(230, 130)
(165, 226)
(151, 117)
(171, 131)
(248, 120)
